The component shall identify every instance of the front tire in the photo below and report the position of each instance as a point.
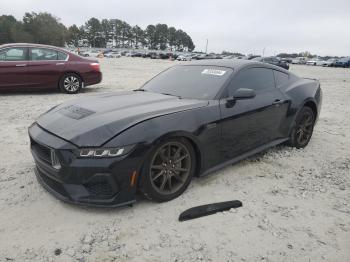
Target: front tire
(303, 129)
(70, 83)
(168, 170)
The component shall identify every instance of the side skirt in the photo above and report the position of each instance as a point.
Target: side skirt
(243, 156)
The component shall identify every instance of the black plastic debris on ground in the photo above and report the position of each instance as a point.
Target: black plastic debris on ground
(58, 252)
(205, 210)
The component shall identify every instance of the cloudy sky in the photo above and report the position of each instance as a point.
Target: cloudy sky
(246, 26)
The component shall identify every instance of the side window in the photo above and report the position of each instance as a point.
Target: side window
(253, 78)
(62, 56)
(13, 54)
(2, 55)
(280, 78)
(42, 54)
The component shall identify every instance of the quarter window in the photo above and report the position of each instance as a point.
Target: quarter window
(13, 54)
(280, 78)
(62, 56)
(43, 54)
(253, 78)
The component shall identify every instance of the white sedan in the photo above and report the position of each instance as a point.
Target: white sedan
(316, 62)
(184, 58)
(112, 55)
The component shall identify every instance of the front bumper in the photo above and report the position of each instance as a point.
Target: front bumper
(89, 182)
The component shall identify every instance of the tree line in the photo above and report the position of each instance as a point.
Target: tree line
(44, 28)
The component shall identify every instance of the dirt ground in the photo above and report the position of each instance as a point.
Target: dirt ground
(296, 203)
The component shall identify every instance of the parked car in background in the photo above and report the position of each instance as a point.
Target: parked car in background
(249, 57)
(230, 57)
(107, 51)
(83, 54)
(154, 55)
(167, 55)
(136, 54)
(315, 62)
(343, 62)
(206, 56)
(123, 53)
(299, 60)
(187, 57)
(112, 55)
(330, 62)
(148, 54)
(273, 60)
(24, 66)
(92, 53)
(197, 56)
(287, 60)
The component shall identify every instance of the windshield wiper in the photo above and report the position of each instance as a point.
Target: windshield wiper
(140, 89)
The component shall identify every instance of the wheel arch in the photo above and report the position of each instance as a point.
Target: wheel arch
(310, 103)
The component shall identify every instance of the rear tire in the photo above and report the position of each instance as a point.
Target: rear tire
(70, 83)
(303, 128)
(168, 170)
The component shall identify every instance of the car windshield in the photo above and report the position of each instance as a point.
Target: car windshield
(196, 82)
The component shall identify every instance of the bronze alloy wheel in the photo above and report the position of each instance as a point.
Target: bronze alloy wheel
(304, 128)
(170, 168)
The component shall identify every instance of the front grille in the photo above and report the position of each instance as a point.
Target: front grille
(100, 188)
(42, 152)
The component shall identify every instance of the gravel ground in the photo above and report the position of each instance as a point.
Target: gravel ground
(296, 202)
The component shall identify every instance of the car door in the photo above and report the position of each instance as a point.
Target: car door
(13, 67)
(45, 67)
(249, 123)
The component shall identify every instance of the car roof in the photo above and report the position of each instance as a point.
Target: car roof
(31, 45)
(230, 63)
(235, 64)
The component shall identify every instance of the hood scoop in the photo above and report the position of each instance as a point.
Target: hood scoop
(75, 112)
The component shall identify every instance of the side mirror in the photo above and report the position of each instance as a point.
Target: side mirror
(244, 93)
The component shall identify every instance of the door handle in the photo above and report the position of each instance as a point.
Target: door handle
(278, 102)
(21, 65)
(59, 63)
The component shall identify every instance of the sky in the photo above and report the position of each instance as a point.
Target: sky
(246, 26)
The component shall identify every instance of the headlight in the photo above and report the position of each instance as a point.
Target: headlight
(103, 152)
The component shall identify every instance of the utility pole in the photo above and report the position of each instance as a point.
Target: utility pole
(263, 54)
(206, 47)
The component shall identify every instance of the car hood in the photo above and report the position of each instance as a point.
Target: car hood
(92, 121)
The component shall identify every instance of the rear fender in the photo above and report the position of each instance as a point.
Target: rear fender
(303, 92)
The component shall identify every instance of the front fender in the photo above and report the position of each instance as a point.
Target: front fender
(191, 124)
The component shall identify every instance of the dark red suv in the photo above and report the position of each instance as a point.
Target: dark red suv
(25, 66)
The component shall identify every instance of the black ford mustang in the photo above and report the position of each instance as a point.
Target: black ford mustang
(187, 121)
